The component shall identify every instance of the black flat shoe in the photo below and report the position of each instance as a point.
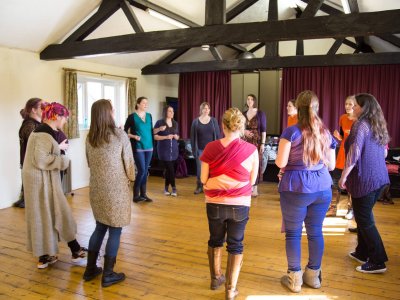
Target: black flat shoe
(138, 199)
(146, 199)
(353, 230)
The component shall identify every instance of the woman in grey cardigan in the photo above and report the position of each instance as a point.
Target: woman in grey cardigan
(204, 129)
(110, 159)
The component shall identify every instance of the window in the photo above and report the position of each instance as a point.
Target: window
(91, 89)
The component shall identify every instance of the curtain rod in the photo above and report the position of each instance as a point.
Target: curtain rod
(98, 73)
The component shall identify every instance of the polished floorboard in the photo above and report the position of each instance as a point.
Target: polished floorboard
(163, 253)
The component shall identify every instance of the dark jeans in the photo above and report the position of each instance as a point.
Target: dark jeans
(311, 209)
(169, 173)
(370, 244)
(229, 221)
(198, 164)
(142, 161)
(114, 235)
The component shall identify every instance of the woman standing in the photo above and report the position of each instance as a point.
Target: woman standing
(292, 113)
(255, 132)
(110, 159)
(345, 122)
(167, 135)
(204, 129)
(32, 116)
(139, 128)
(364, 176)
(48, 215)
(229, 168)
(306, 151)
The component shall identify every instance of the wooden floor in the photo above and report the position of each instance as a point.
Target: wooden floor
(163, 254)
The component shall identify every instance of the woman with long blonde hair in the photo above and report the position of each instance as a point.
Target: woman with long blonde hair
(307, 152)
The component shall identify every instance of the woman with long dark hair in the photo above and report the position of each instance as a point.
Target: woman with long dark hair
(365, 176)
(32, 116)
(139, 127)
(306, 151)
(229, 169)
(166, 134)
(255, 132)
(112, 168)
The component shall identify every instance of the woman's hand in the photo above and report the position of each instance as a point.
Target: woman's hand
(248, 133)
(342, 182)
(162, 128)
(64, 145)
(136, 137)
(336, 134)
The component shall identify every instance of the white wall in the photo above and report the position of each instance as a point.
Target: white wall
(22, 76)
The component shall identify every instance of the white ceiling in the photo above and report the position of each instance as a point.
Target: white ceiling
(33, 24)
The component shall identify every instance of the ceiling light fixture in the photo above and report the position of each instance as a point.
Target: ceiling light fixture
(165, 18)
(205, 47)
(346, 6)
(246, 55)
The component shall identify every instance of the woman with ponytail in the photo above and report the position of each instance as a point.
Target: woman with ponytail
(307, 152)
(365, 176)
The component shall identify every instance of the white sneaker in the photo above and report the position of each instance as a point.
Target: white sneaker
(80, 258)
(166, 193)
(174, 194)
(349, 215)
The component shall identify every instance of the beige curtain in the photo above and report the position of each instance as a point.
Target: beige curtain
(131, 93)
(71, 102)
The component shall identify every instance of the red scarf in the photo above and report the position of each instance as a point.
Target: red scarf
(228, 161)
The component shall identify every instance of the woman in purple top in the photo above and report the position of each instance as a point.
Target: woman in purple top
(364, 176)
(167, 135)
(306, 151)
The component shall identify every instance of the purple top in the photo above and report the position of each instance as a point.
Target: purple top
(167, 150)
(298, 177)
(368, 157)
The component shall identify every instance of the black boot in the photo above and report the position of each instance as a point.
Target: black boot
(109, 276)
(92, 270)
(199, 188)
(143, 194)
(20, 203)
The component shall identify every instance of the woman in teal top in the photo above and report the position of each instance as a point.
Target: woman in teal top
(139, 127)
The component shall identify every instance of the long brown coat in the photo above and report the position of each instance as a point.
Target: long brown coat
(48, 215)
(111, 171)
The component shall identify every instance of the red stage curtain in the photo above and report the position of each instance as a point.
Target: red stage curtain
(333, 84)
(195, 88)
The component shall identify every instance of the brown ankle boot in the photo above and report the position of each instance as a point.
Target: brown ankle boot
(214, 261)
(232, 275)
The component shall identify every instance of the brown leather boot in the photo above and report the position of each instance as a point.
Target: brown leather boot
(214, 261)
(232, 274)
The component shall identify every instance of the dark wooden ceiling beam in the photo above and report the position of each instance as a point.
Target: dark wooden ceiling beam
(240, 7)
(272, 48)
(215, 12)
(390, 38)
(131, 16)
(106, 9)
(335, 47)
(276, 63)
(361, 44)
(214, 51)
(310, 11)
(338, 26)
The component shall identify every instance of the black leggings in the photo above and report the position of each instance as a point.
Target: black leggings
(169, 173)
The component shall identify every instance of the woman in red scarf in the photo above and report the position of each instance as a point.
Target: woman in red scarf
(229, 169)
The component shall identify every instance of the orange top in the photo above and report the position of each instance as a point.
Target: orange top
(345, 123)
(292, 120)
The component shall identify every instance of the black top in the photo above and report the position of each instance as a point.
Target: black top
(25, 131)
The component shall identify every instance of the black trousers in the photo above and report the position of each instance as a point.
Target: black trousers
(169, 173)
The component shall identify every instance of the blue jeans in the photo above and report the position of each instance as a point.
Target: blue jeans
(142, 161)
(198, 164)
(229, 221)
(370, 244)
(310, 209)
(114, 236)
